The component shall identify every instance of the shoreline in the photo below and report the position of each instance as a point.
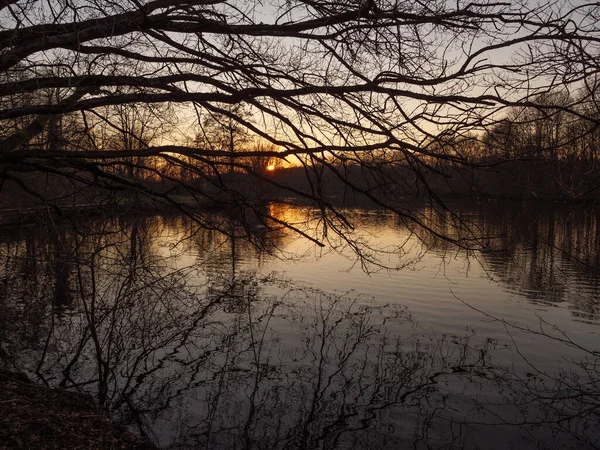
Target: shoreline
(38, 417)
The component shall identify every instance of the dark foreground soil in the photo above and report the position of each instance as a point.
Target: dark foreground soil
(36, 417)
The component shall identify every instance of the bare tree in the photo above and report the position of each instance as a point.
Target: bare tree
(334, 85)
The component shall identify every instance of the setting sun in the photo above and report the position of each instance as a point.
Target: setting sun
(271, 167)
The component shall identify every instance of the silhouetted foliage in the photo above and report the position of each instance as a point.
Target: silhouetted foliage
(385, 99)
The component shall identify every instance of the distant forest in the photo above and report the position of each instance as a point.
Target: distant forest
(532, 152)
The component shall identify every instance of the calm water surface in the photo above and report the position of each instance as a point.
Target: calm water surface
(199, 340)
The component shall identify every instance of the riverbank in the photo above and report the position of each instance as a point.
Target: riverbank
(37, 417)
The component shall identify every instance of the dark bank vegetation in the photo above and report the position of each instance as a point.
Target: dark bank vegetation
(35, 417)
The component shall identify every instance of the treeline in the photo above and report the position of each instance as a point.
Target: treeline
(123, 150)
(561, 128)
(549, 148)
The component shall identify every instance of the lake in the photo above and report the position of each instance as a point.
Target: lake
(263, 339)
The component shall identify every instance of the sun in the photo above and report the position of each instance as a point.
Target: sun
(271, 167)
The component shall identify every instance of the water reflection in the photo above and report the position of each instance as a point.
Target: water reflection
(548, 255)
(188, 336)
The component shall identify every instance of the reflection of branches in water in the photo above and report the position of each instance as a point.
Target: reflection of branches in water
(311, 370)
(556, 408)
(244, 367)
(240, 360)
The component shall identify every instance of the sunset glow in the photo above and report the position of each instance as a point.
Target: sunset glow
(271, 167)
